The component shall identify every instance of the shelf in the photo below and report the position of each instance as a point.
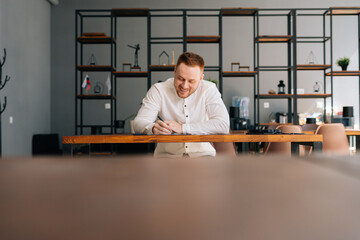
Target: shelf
(95, 68)
(345, 10)
(275, 96)
(162, 67)
(97, 96)
(274, 123)
(130, 12)
(203, 39)
(131, 74)
(343, 73)
(274, 38)
(239, 73)
(273, 68)
(313, 67)
(314, 95)
(238, 11)
(95, 39)
(285, 96)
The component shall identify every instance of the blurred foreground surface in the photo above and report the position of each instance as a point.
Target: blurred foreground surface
(139, 197)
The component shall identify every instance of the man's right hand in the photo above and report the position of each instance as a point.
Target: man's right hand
(161, 128)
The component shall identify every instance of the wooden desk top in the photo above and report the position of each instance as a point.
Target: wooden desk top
(117, 138)
(271, 198)
(349, 132)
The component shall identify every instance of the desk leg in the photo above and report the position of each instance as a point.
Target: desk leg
(318, 147)
(67, 150)
(295, 148)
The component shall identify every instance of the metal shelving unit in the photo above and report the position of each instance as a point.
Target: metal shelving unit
(93, 39)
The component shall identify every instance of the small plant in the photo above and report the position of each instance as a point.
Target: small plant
(211, 80)
(343, 62)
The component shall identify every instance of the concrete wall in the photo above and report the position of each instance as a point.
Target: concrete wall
(237, 47)
(25, 33)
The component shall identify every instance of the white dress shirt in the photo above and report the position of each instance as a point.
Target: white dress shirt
(203, 112)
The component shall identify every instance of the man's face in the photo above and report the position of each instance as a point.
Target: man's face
(187, 79)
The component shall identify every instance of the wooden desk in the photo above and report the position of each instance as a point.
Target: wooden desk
(157, 199)
(295, 139)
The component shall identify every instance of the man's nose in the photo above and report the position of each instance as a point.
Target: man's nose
(185, 84)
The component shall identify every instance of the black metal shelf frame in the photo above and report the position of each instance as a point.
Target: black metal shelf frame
(291, 40)
(292, 67)
(80, 17)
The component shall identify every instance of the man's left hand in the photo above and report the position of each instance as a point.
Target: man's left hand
(174, 126)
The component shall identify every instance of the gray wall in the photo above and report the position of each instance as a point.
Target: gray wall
(25, 33)
(237, 47)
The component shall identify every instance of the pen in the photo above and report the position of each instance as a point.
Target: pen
(160, 119)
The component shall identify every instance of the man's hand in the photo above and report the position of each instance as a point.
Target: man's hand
(174, 126)
(161, 128)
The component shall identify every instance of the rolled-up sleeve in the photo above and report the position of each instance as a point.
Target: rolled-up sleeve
(146, 117)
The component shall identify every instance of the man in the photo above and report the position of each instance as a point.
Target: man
(188, 105)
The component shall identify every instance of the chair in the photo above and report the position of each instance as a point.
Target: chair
(283, 148)
(45, 144)
(334, 138)
(309, 127)
(224, 148)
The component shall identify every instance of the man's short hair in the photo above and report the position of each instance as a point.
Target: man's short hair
(191, 59)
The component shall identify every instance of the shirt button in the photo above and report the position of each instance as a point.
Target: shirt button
(185, 146)
(184, 105)
(187, 116)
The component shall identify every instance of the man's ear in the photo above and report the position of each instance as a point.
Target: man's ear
(202, 76)
(174, 70)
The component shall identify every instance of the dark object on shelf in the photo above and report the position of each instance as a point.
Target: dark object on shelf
(136, 69)
(46, 144)
(343, 63)
(96, 130)
(168, 58)
(281, 117)
(281, 87)
(317, 87)
(99, 88)
(264, 131)
(239, 67)
(92, 60)
(310, 120)
(120, 125)
(137, 48)
(348, 111)
(126, 67)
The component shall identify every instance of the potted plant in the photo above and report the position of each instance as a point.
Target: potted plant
(343, 62)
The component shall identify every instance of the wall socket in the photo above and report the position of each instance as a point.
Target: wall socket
(107, 106)
(11, 120)
(266, 105)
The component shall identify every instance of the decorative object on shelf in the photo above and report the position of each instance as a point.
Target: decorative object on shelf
(98, 88)
(272, 117)
(271, 91)
(137, 48)
(281, 87)
(317, 87)
(86, 84)
(92, 60)
(96, 130)
(311, 59)
(126, 67)
(161, 58)
(173, 58)
(233, 64)
(343, 63)
(108, 84)
(2, 85)
(211, 80)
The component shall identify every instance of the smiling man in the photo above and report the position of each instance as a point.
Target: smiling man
(188, 105)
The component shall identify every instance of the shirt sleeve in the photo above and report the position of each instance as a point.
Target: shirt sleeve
(146, 117)
(218, 122)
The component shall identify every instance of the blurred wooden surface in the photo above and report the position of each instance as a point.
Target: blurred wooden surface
(117, 138)
(145, 198)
